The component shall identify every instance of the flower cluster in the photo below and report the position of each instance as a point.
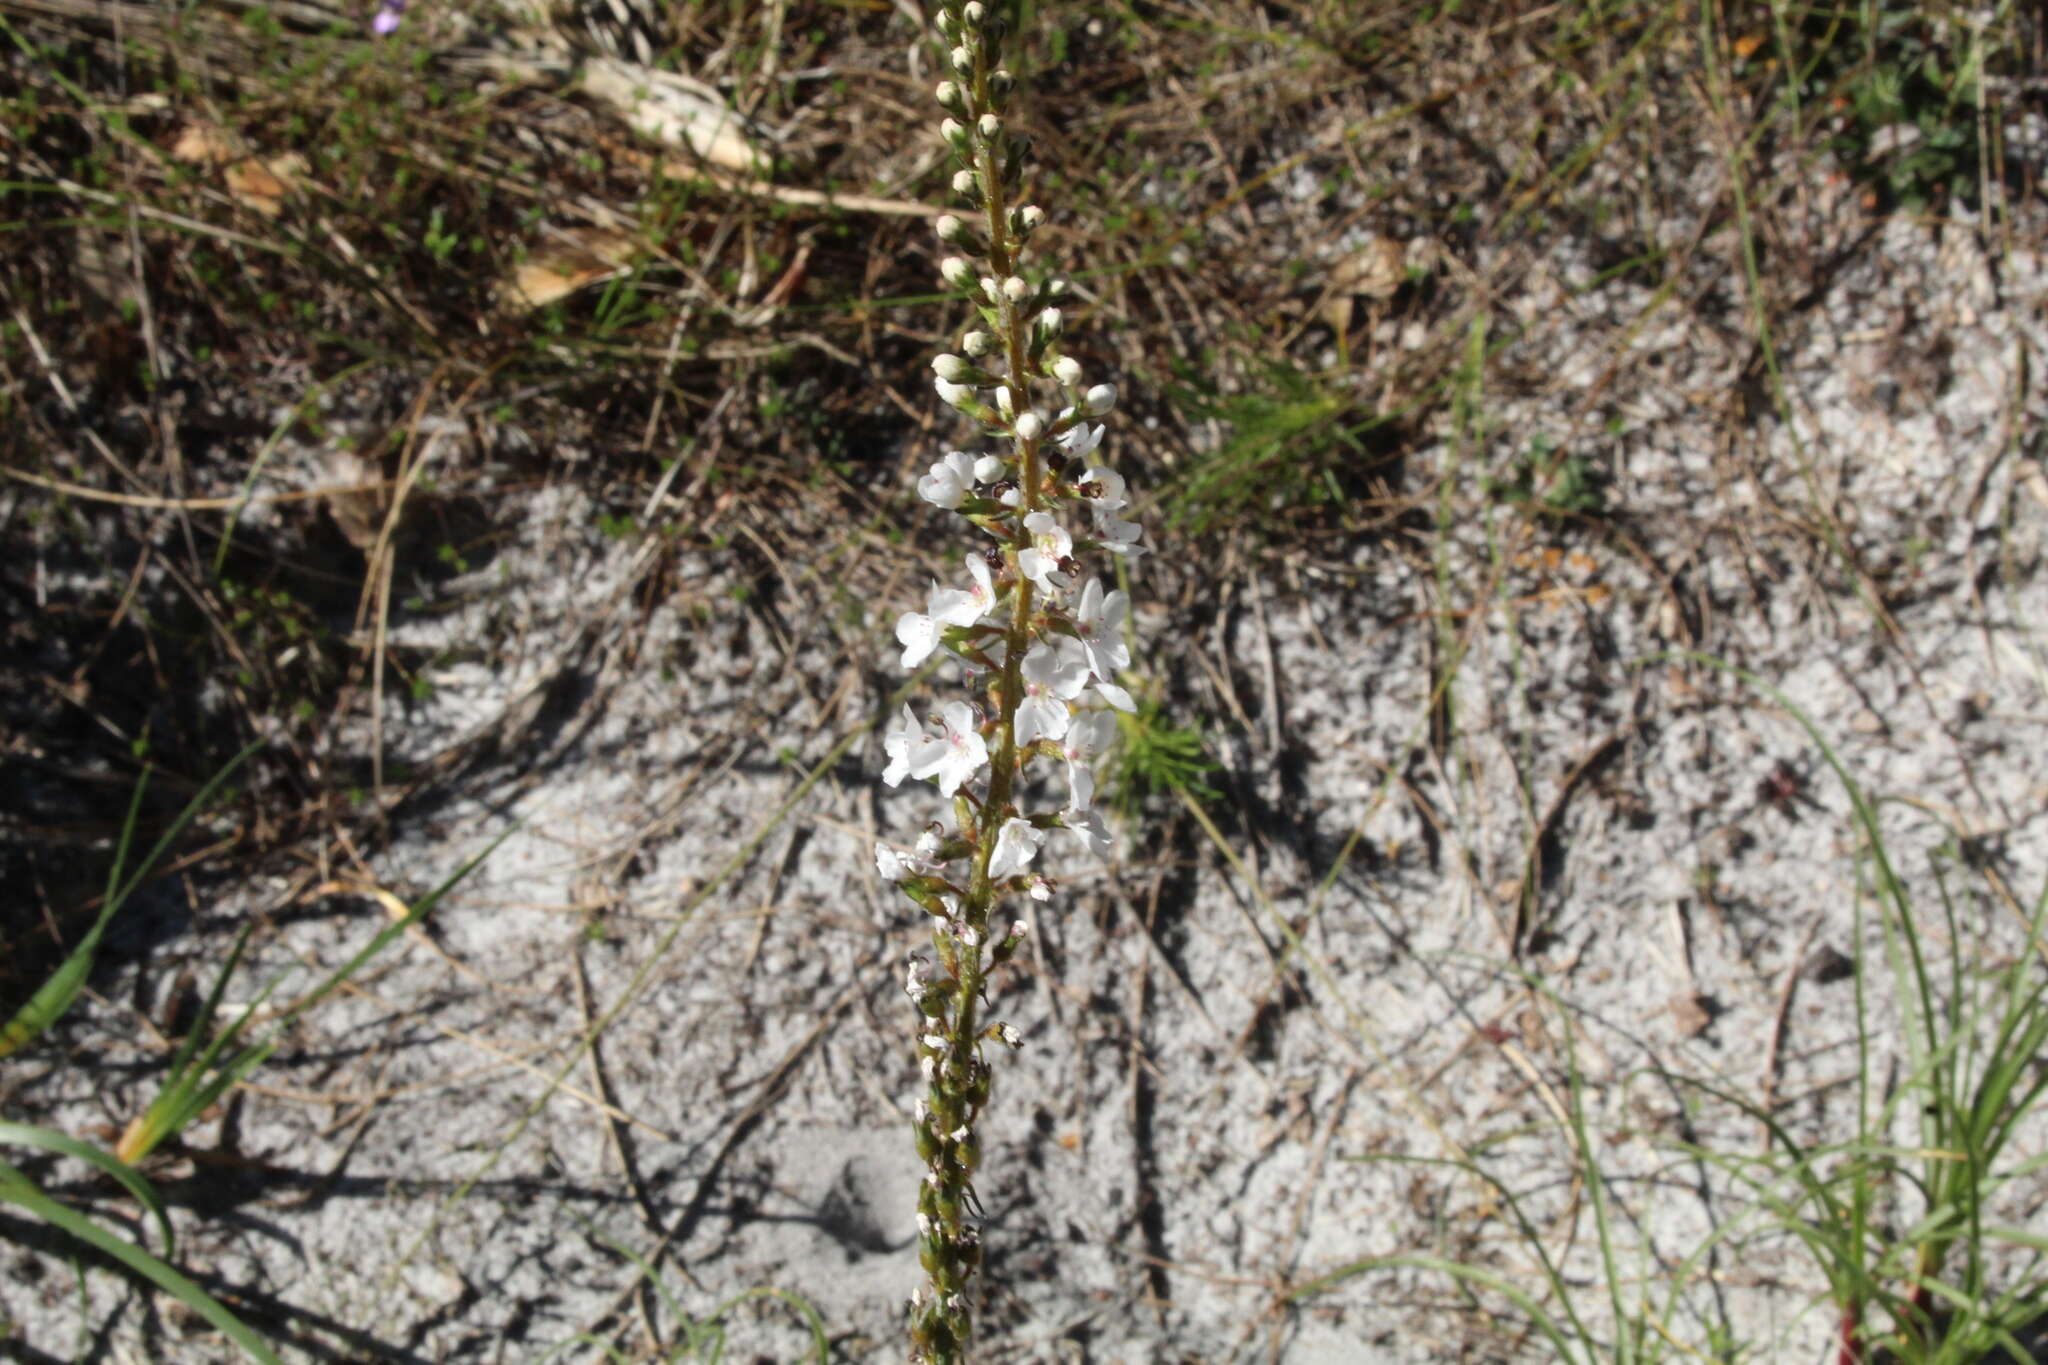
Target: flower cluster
(1040, 637)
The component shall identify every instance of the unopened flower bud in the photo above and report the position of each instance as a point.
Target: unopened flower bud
(962, 60)
(977, 344)
(1101, 399)
(988, 469)
(950, 228)
(1001, 83)
(1030, 426)
(951, 367)
(950, 98)
(957, 271)
(955, 133)
(974, 13)
(1049, 322)
(993, 288)
(989, 126)
(1006, 399)
(954, 395)
(1067, 370)
(963, 182)
(1015, 290)
(1030, 217)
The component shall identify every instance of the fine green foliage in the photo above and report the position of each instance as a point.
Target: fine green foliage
(1294, 441)
(1157, 757)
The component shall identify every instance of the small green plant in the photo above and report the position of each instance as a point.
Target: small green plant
(438, 240)
(1901, 87)
(703, 1339)
(1901, 1231)
(1546, 479)
(1295, 441)
(1156, 756)
(1898, 1230)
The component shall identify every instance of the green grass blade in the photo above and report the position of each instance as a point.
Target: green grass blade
(28, 1135)
(17, 1188)
(55, 995)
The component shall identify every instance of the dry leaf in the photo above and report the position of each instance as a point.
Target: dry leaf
(262, 185)
(256, 183)
(201, 144)
(1692, 1012)
(676, 112)
(561, 267)
(1375, 271)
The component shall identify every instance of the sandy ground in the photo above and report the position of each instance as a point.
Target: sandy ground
(1230, 1039)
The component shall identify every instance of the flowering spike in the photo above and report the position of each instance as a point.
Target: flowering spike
(1039, 636)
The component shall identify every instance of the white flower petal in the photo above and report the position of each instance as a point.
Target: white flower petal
(919, 635)
(1016, 845)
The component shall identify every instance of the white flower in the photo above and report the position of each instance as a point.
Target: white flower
(1115, 696)
(1075, 651)
(1098, 621)
(1050, 682)
(1080, 440)
(1050, 543)
(1067, 370)
(919, 636)
(1088, 825)
(897, 743)
(895, 866)
(929, 842)
(1088, 735)
(1101, 399)
(1016, 845)
(965, 606)
(1115, 493)
(1118, 536)
(1040, 889)
(949, 480)
(956, 755)
(953, 607)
